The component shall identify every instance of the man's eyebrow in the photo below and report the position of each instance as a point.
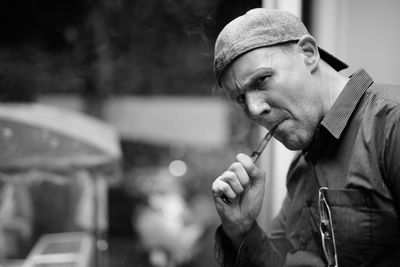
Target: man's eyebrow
(249, 82)
(257, 74)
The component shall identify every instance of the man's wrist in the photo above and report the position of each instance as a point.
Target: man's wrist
(237, 233)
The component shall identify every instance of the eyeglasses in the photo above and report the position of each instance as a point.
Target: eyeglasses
(326, 229)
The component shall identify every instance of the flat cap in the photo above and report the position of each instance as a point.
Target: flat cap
(257, 28)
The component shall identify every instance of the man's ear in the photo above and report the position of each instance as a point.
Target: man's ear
(309, 48)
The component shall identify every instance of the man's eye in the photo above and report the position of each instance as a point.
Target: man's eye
(241, 99)
(262, 78)
(260, 81)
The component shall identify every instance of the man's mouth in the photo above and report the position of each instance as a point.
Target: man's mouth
(276, 125)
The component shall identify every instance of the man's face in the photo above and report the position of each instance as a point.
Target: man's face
(276, 87)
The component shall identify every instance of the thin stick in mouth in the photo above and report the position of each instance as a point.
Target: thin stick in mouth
(261, 146)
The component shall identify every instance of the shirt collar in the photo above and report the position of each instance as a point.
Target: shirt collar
(338, 116)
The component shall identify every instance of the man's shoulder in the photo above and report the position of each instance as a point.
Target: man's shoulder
(382, 106)
(384, 92)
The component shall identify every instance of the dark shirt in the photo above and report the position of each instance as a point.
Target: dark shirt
(356, 155)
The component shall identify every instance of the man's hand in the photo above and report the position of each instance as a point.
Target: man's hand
(243, 186)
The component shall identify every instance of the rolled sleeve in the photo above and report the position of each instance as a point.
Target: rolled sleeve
(225, 253)
(255, 250)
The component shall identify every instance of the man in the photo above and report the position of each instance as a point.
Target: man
(343, 186)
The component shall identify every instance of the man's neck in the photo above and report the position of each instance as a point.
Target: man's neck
(332, 84)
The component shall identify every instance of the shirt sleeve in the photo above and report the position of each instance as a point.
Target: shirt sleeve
(224, 251)
(258, 249)
(391, 156)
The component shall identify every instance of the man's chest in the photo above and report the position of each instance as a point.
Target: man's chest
(363, 222)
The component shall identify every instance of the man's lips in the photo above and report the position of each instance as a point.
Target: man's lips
(275, 125)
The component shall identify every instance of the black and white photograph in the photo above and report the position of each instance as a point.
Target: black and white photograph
(199, 133)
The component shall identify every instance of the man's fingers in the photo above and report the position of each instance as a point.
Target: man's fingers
(251, 169)
(241, 173)
(222, 189)
(232, 179)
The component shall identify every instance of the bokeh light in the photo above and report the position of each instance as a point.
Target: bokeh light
(177, 168)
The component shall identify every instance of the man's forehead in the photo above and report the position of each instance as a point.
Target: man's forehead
(250, 62)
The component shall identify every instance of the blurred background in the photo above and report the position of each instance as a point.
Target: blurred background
(112, 128)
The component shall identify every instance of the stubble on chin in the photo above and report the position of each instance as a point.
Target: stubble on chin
(296, 141)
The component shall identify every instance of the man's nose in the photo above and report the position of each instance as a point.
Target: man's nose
(257, 104)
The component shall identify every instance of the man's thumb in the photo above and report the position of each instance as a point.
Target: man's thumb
(256, 175)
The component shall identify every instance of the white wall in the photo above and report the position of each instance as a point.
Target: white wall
(364, 33)
(200, 121)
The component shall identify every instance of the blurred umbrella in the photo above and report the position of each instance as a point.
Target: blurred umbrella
(43, 137)
(43, 143)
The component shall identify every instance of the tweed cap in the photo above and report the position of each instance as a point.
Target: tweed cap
(257, 28)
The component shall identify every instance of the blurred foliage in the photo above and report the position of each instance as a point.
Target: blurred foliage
(107, 47)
